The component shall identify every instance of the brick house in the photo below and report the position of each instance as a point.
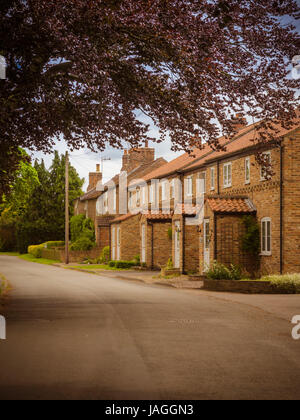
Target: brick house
(165, 220)
(101, 202)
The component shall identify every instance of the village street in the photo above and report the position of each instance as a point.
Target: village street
(72, 335)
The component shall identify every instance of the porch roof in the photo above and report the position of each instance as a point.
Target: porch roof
(231, 204)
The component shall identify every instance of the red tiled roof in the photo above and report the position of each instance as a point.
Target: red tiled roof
(124, 217)
(187, 209)
(158, 216)
(231, 205)
(246, 137)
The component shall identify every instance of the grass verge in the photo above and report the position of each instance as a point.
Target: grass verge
(31, 258)
(10, 254)
(89, 267)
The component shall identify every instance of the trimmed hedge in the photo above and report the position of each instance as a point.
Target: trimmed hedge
(82, 244)
(55, 244)
(36, 250)
(122, 264)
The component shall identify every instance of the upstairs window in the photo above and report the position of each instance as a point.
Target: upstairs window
(189, 186)
(164, 190)
(263, 172)
(201, 183)
(152, 193)
(212, 178)
(247, 170)
(227, 175)
(266, 244)
(173, 188)
(138, 196)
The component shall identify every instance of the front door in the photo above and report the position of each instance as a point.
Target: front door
(206, 245)
(143, 256)
(177, 245)
(118, 243)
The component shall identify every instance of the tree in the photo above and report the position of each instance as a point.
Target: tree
(36, 205)
(88, 69)
(10, 162)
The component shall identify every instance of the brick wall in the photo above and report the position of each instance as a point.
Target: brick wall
(130, 238)
(291, 203)
(191, 248)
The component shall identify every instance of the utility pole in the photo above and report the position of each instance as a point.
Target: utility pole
(67, 211)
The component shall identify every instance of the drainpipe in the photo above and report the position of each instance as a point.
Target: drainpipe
(218, 177)
(183, 244)
(215, 238)
(109, 242)
(152, 245)
(281, 208)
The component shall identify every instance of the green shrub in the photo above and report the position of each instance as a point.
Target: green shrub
(36, 250)
(82, 244)
(170, 233)
(55, 244)
(122, 264)
(219, 271)
(170, 264)
(251, 237)
(137, 260)
(81, 226)
(105, 255)
(287, 283)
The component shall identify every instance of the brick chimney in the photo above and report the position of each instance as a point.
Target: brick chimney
(94, 178)
(239, 122)
(136, 157)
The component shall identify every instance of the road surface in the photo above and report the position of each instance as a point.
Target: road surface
(72, 335)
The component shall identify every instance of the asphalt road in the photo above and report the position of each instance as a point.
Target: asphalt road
(72, 335)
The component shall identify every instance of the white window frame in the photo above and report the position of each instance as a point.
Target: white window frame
(105, 202)
(264, 236)
(138, 196)
(173, 188)
(130, 199)
(262, 174)
(115, 199)
(164, 190)
(189, 186)
(152, 193)
(247, 170)
(227, 182)
(212, 178)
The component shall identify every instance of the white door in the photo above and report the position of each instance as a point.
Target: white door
(118, 243)
(143, 256)
(177, 245)
(113, 243)
(206, 245)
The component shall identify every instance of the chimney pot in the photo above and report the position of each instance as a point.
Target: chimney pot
(98, 167)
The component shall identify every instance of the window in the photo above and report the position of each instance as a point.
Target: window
(173, 188)
(263, 172)
(189, 186)
(212, 178)
(247, 170)
(105, 202)
(152, 193)
(266, 248)
(164, 190)
(201, 183)
(144, 195)
(114, 199)
(227, 170)
(130, 199)
(138, 196)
